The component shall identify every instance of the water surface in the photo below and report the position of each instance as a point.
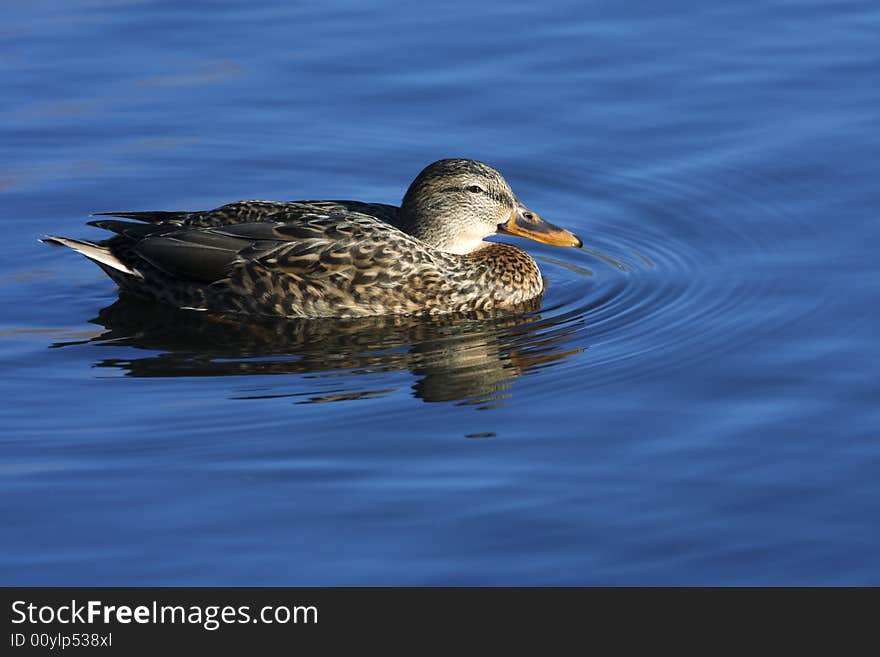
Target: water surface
(694, 401)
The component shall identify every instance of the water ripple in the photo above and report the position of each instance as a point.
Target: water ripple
(673, 276)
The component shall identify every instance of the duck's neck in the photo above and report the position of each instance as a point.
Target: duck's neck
(438, 223)
(437, 235)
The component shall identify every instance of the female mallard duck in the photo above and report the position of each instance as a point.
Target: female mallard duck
(336, 258)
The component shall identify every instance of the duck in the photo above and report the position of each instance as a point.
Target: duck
(321, 259)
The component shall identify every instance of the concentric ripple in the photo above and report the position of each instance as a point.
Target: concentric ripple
(670, 275)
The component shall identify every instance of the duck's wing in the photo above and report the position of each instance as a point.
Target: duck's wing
(259, 211)
(362, 248)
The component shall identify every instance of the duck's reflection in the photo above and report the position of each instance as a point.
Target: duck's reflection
(471, 358)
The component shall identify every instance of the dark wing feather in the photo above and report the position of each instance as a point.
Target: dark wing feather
(153, 217)
(190, 254)
(129, 229)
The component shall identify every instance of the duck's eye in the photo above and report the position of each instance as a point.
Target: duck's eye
(476, 189)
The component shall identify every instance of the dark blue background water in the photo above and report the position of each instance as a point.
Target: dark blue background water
(695, 403)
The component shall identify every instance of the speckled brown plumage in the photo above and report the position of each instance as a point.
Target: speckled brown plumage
(324, 258)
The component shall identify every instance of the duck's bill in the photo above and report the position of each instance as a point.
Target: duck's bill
(525, 223)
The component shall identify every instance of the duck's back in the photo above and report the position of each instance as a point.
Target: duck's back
(252, 211)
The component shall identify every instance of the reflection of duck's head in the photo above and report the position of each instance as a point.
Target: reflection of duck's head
(454, 204)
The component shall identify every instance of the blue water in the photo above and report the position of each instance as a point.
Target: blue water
(696, 402)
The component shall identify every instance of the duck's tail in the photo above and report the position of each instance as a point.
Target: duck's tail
(92, 251)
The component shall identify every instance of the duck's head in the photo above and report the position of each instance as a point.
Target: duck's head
(453, 205)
